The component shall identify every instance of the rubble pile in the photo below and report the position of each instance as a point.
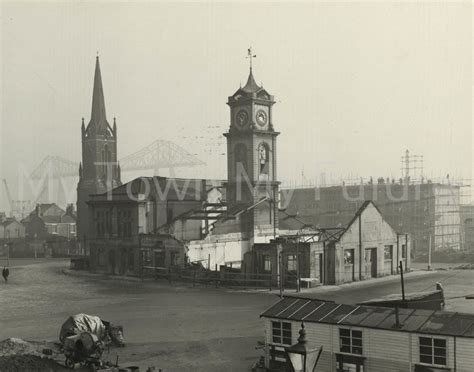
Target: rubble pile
(23, 356)
(28, 363)
(17, 346)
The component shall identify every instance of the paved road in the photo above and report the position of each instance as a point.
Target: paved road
(456, 283)
(176, 328)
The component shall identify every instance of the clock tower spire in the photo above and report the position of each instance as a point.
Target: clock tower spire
(251, 157)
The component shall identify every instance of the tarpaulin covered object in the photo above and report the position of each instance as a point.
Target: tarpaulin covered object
(79, 323)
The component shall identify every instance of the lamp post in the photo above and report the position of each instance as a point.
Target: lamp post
(302, 357)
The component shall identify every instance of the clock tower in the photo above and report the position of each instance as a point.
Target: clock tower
(251, 159)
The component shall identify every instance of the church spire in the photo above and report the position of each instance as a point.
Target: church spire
(98, 103)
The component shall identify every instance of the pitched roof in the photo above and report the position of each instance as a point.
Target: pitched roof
(9, 221)
(432, 322)
(332, 233)
(48, 212)
(161, 188)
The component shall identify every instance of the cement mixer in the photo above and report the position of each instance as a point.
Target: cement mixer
(85, 349)
(105, 331)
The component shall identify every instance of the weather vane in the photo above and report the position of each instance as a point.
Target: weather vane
(250, 56)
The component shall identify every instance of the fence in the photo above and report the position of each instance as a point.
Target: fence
(217, 278)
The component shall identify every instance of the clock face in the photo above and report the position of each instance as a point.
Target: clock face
(242, 118)
(261, 118)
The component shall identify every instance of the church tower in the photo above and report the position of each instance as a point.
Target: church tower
(251, 159)
(99, 170)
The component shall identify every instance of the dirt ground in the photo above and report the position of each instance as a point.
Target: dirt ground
(175, 328)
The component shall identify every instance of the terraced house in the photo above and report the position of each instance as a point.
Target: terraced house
(369, 338)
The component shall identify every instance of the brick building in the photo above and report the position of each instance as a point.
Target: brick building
(141, 223)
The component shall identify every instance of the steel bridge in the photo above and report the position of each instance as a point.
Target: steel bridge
(160, 154)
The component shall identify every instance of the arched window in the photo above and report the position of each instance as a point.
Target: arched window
(263, 159)
(240, 157)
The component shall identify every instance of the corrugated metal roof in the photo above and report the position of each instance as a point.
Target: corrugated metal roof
(411, 320)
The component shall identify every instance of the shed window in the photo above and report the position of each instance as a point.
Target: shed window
(281, 333)
(433, 351)
(350, 341)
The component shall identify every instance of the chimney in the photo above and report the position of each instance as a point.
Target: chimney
(398, 325)
(70, 209)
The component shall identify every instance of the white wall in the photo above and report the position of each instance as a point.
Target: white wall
(224, 250)
(387, 351)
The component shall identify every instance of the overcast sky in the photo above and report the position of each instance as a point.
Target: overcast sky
(356, 84)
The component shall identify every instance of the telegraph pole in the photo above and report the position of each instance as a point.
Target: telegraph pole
(403, 283)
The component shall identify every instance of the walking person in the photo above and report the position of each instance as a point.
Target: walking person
(5, 273)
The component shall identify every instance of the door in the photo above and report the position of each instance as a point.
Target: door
(318, 263)
(374, 262)
(160, 260)
(371, 263)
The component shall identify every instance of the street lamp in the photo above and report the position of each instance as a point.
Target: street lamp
(302, 357)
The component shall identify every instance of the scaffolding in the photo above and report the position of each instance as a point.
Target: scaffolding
(411, 166)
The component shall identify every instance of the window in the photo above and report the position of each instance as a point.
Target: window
(281, 333)
(54, 229)
(124, 223)
(100, 227)
(291, 263)
(350, 341)
(108, 222)
(404, 251)
(348, 256)
(433, 351)
(267, 263)
(349, 363)
(388, 249)
(146, 257)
